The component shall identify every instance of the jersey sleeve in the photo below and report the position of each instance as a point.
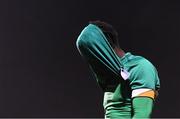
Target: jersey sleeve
(144, 75)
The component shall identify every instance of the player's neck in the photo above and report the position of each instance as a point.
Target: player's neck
(119, 52)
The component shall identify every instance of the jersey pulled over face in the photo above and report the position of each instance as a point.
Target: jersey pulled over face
(102, 59)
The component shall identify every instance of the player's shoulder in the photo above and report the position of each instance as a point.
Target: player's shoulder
(143, 62)
(143, 68)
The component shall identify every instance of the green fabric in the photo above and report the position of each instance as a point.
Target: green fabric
(117, 104)
(142, 72)
(142, 107)
(106, 65)
(95, 48)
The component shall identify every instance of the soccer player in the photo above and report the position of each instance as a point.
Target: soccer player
(129, 82)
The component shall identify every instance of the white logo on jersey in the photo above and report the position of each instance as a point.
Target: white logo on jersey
(125, 74)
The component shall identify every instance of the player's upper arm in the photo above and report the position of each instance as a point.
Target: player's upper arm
(143, 75)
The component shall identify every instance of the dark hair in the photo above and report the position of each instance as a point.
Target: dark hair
(110, 33)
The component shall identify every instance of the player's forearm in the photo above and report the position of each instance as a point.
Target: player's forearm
(142, 107)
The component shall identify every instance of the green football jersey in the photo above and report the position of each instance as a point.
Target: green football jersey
(116, 76)
(142, 74)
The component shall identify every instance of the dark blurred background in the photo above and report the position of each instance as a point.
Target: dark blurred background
(42, 73)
